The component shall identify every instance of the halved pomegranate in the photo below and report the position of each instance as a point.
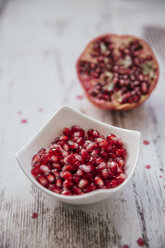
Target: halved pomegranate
(117, 71)
(71, 167)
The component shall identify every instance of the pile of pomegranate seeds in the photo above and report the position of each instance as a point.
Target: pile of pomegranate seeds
(77, 163)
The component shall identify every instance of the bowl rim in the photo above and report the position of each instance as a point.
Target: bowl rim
(85, 195)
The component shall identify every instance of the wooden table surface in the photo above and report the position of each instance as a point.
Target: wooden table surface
(39, 44)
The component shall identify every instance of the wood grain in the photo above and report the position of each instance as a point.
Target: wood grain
(39, 44)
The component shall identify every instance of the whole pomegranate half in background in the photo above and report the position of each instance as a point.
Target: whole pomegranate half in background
(117, 71)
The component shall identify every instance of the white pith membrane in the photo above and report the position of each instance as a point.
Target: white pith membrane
(117, 70)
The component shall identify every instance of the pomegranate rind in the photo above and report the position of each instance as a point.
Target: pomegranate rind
(114, 105)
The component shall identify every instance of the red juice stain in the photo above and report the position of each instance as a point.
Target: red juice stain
(140, 242)
(24, 121)
(148, 166)
(34, 215)
(79, 97)
(125, 246)
(19, 112)
(40, 110)
(146, 142)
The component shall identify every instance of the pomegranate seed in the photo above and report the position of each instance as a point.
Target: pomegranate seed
(34, 215)
(50, 178)
(66, 192)
(112, 165)
(72, 145)
(66, 147)
(54, 189)
(105, 173)
(95, 152)
(58, 182)
(92, 134)
(84, 154)
(68, 167)
(57, 151)
(67, 183)
(91, 187)
(35, 171)
(55, 159)
(120, 162)
(83, 183)
(99, 181)
(144, 88)
(140, 242)
(103, 144)
(126, 246)
(67, 175)
(101, 166)
(80, 173)
(91, 147)
(86, 168)
(112, 139)
(75, 128)
(56, 173)
(113, 183)
(121, 178)
(99, 160)
(76, 179)
(64, 153)
(104, 155)
(146, 142)
(71, 159)
(120, 152)
(64, 138)
(35, 159)
(44, 169)
(42, 180)
(78, 157)
(56, 166)
(79, 133)
(80, 141)
(66, 132)
(77, 190)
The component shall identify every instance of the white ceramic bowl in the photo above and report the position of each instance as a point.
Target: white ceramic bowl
(66, 117)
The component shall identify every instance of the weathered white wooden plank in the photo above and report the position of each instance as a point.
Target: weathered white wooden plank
(39, 44)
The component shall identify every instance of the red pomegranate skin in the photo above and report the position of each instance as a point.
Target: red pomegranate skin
(78, 162)
(117, 72)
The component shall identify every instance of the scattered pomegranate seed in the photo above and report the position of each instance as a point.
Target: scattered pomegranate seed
(34, 215)
(125, 246)
(79, 97)
(77, 163)
(160, 176)
(24, 120)
(148, 166)
(19, 112)
(40, 110)
(140, 242)
(146, 142)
